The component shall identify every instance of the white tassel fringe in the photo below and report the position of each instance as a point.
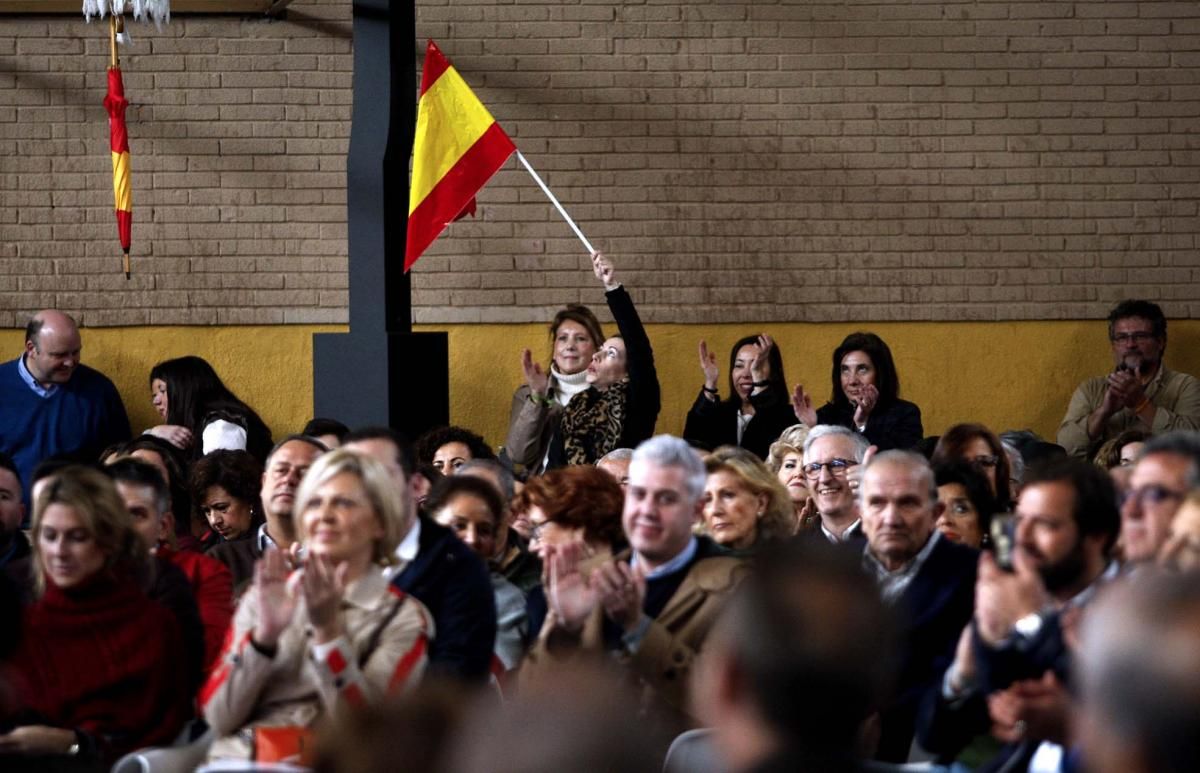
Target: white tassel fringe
(158, 11)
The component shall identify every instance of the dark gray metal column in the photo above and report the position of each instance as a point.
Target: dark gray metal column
(381, 372)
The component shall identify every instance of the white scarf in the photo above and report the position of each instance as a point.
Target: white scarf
(566, 387)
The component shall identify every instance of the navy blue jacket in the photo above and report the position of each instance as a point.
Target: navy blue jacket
(932, 611)
(453, 583)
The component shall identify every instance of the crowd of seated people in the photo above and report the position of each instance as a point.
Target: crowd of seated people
(791, 587)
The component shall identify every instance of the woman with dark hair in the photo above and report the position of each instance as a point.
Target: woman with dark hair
(977, 446)
(225, 494)
(537, 405)
(757, 408)
(448, 448)
(474, 509)
(97, 671)
(200, 412)
(967, 504)
(866, 396)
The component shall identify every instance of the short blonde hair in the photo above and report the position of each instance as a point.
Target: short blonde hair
(779, 519)
(94, 498)
(389, 499)
(791, 441)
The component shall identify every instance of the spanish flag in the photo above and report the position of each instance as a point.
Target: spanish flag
(457, 148)
(115, 102)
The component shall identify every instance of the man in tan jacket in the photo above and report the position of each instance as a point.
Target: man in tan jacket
(653, 606)
(1140, 393)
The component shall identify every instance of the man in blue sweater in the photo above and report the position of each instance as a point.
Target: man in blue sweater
(51, 405)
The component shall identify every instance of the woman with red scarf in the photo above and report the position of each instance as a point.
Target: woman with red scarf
(95, 669)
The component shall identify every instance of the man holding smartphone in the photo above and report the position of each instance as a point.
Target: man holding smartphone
(1140, 392)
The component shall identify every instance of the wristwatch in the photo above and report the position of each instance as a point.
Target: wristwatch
(1029, 625)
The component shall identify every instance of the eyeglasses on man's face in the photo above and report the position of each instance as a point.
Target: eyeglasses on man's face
(1140, 337)
(1152, 494)
(836, 467)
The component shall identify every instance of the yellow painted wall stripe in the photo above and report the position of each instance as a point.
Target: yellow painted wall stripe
(1004, 374)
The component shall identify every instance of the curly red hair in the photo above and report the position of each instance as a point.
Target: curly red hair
(578, 497)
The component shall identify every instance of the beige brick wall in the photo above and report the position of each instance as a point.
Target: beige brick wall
(742, 161)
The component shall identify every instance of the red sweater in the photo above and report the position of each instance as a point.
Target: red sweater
(102, 658)
(212, 585)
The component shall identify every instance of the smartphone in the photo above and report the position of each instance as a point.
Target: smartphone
(1003, 534)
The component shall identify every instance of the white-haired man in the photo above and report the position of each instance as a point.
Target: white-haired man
(651, 607)
(832, 464)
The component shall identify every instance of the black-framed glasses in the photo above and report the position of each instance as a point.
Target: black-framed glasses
(836, 467)
(1139, 337)
(984, 462)
(1151, 494)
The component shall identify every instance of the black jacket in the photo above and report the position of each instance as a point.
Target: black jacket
(645, 398)
(711, 423)
(239, 555)
(453, 583)
(899, 426)
(932, 612)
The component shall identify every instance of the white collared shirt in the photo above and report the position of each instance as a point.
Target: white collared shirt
(407, 550)
(264, 539)
(850, 531)
(672, 566)
(32, 382)
(893, 584)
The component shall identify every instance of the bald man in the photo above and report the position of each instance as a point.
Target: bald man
(50, 404)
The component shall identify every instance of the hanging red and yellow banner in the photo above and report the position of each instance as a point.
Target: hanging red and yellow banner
(457, 148)
(118, 141)
(116, 103)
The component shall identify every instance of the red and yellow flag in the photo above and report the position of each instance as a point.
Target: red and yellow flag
(457, 148)
(116, 103)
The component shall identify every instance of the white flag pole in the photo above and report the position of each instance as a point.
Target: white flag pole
(591, 250)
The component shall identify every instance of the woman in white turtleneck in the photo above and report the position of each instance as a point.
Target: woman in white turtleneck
(538, 403)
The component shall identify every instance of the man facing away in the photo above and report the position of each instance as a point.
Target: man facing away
(1140, 393)
(796, 664)
(51, 404)
(1139, 706)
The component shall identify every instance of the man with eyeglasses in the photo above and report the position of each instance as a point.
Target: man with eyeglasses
(1167, 471)
(832, 457)
(1141, 392)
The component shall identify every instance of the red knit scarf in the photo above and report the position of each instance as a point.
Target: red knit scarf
(101, 657)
